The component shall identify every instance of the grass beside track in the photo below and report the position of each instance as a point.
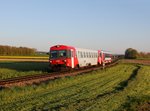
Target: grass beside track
(24, 57)
(121, 87)
(16, 69)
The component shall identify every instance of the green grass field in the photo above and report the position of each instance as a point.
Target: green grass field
(124, 87)
(16, 69)
(24, 57)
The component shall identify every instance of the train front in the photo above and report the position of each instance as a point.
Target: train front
(61, 57)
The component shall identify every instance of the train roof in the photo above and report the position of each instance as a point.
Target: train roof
(82, 49)
(61, 46)
(107, 52)
(70, 47)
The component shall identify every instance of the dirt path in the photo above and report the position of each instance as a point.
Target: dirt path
(145, 62)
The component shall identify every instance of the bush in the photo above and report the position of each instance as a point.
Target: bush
(131, 53)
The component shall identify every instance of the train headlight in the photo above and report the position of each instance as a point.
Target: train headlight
(64, 61)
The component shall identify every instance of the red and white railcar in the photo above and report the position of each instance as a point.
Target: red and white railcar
(71, 57)
(62, 56)
(107, 57)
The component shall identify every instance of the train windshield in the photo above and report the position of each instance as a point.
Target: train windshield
(60, 54)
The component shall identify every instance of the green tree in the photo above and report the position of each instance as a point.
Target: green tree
(131, 53)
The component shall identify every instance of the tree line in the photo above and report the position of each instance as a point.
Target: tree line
(131, 53)
(16, 51)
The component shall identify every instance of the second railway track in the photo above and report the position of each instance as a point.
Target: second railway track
(25, 80)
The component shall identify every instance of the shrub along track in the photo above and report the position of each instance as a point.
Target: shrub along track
(107, 90)
(30, 79)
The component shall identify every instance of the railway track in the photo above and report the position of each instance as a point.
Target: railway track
(35, 79)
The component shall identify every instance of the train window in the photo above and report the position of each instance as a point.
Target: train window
(84, 55)
(81, 54)
(53, 54)
(87, 54)
(68, 53)
(62, 53)
(107, 55)
(71, 53)
(78, 54)
(95, 55)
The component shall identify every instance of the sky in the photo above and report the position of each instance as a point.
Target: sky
(112, 25)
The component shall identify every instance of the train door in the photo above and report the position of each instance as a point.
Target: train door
(99, 57)
(102, 58)
(72, 58)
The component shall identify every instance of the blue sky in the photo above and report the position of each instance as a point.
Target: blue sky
(112, 25)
